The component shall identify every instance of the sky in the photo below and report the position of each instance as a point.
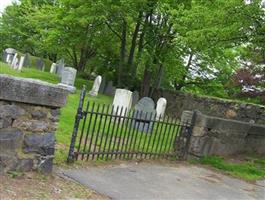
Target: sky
(4, 3)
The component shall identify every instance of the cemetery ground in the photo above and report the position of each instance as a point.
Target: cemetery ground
(249, 168)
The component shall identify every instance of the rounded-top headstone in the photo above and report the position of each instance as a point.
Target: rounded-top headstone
(145, 104)
(10, 51)
(161, 108)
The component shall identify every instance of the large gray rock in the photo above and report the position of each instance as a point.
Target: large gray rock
(41, 144)
(10, 141)
(31, 91)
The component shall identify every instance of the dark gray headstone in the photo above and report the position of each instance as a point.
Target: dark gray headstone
(135, 98)
(60, 67)
(26, 60)
(110, 89)
(40, 64)
(145, 112)
(4, 56)
(102, 85)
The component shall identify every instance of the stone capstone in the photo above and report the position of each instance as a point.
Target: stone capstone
(31, 91)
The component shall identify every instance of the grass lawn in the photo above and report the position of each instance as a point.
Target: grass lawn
(248, 168)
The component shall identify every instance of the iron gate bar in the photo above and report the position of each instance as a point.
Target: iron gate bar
(105, 144)
(97, 133)
(88, 128)
(83, 128)
(122, 126)
(103, 131)
(129, 134)
(167, 141)
(163, 138)
(78, 117)
(149, 141)
(141, 135)
(112, 131)
(145, 140)
(93, 132)
(135, 134)
(116, 133)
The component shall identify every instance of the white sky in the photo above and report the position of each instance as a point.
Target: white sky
(4, 3)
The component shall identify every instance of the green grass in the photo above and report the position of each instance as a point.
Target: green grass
(250, 169)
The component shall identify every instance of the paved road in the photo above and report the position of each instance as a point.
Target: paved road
(153, 181)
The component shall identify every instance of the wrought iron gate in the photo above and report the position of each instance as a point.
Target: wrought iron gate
(106, 132)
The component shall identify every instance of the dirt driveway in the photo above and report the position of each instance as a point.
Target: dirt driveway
(156, 181)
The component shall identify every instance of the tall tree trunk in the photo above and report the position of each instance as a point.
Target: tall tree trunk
(134, 41)
(146, 83)
(122, 52)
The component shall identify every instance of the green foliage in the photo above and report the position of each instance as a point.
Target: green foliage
(249, 170)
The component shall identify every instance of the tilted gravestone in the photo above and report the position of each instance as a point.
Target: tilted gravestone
(135, 98)
(40, 64)
(14, 61)
(144, 115)
(26, 60)
(102, 85)
(161, 108)
(110, 89)
(96, 86)
(122, 102)
(59, 67)
(21, 62)
(53, 68)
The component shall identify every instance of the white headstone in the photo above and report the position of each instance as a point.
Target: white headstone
(53, 68)
(8, 58)
(161, 108)
(14, 61)
(21, 63)
(68, 76)
(122, 100)
(96, 85)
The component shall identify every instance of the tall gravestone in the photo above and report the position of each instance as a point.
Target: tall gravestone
(40, 64)
(135, 98)
(59, 67)
(21, 63)
(102, 85)
(144, 115)
(96, 86)
(14, 62)
(110, 89)
(122, 102)
(53, 68)
(26, 60)
(161, 108)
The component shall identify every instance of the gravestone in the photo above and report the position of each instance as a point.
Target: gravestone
(21, 62)
(26, 60)
(59, 67)
(53, 68)
(96, 85)
(135, 98)
(161, 108)
(4, 56)
(110, 89)
(122, 102)
(68, 76)
(40, 64)
(145, 115)
(9, 55)
(102, 85)
(14, 62)
(68, 79)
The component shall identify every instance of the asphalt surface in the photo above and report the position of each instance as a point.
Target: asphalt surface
(156, 181)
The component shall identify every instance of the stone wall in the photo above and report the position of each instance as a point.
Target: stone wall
(29, 114)
(218, 136)
(177, 102)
